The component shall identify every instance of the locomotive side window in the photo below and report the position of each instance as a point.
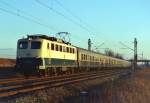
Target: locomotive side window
(73, 50)
(35, 45)
(64, 49)
(52, 46)
(60, 48)
(56, 47)
(47, 45)
(68, 49)
(23, 45)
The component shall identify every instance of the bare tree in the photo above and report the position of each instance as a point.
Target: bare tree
(117, 55)
(109, 52)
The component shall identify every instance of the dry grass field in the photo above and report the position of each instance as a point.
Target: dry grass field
(135, 89)
(7, 62)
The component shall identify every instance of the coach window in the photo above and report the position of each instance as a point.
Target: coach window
(64, 49)
(81, 56)
(56, 47)
(60, 48)
(84, 57)
(52, 46)
(47, 45)
(72, 50)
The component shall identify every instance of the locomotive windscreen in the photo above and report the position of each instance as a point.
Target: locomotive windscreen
(35, 45)
(23, 45)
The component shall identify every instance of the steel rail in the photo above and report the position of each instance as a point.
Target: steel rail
(24, 88)
(48, 80)
(20, 80)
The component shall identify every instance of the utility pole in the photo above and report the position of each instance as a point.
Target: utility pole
(135, 53)
(89, 44)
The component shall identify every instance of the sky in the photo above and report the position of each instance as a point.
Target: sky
(103, 21)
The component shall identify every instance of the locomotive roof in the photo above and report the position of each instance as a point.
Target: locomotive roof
(40, 36)
(98, 53)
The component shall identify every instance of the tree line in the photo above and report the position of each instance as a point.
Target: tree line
(111, 53)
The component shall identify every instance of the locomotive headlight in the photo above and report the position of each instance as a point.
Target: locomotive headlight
(41, 67)
(29, 39)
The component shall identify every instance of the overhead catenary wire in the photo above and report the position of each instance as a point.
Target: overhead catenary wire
(27, 15)
(18, 10)
(64, 16)
(71, 13)
(24, 15)
(126, 47)
(77, 18)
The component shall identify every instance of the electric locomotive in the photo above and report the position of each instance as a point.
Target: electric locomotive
(43, 54)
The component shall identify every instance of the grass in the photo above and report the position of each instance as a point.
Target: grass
(135, 89)
(4, 62)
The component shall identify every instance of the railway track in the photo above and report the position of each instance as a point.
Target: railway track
(35, 78)
(22, 85)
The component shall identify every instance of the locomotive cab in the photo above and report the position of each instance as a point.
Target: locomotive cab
(29, 55)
